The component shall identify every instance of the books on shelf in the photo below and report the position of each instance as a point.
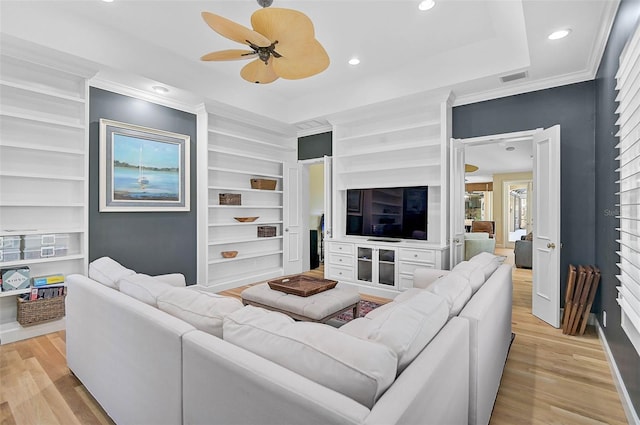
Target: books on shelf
(47, 280)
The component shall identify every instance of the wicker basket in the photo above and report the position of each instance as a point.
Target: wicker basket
(230, 198)
(266, 231)
(264, 184)
(42, 310)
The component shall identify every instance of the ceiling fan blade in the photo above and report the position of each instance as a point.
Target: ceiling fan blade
(229, 55)
(283, 25)
(259, 72)
(234, 31)
(313, 60)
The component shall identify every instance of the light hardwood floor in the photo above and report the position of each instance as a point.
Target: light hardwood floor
(549, 378)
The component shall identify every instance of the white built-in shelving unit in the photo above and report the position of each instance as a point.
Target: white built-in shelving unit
(238, 150)
(404, 142)
(43, 168)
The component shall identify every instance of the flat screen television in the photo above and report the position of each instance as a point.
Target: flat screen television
(390, 212)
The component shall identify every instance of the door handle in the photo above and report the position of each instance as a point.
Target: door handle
(286, 230)
(551, 245)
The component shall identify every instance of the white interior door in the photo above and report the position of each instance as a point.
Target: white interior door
(292, 236)
(456, 202)
(328, 197)
(546, 226)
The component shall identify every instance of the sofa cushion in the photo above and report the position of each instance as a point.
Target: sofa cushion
(173, 279)
(455, 289)
(488, 262)
(203, 310)
(473, 272)
(359, 369)
(406, 328)
(143, 287)
(108, 271)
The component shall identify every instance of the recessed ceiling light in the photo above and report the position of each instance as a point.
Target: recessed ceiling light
(557, 35)
(510, 148)
(354, 61)
(426, 4)
(108, 1)
(160, 89)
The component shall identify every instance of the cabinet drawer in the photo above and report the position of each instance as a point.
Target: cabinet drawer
(341, 248)
(341, 260)
(340, 273)
(409, 268)
(417, 255)
(405, 282)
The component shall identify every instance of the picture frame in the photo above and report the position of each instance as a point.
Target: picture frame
(143, 169)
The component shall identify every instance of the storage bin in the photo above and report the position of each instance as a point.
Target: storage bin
(264, 184)
(230, 198)
(44, 252)
(9, 255)
(59, 240)
(15, 278)
(42, 310)
(266, 231)
(9, 242)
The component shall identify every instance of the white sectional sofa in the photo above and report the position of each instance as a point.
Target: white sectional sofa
(153, 352)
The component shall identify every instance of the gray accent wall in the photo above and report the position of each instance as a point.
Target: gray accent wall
(315, 146)
(147, 242)
(573, 107)
(625, 355)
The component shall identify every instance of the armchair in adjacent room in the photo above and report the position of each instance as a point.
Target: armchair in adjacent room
(475, 243)
(523, 253)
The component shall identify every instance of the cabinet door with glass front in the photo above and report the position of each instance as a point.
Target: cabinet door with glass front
(376, 265)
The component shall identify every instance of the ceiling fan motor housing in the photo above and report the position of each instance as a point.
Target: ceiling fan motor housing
(265, 3)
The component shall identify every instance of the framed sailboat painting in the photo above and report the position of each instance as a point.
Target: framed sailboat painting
(142, 169)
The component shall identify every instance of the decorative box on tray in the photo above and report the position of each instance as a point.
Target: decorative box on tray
(302, 285)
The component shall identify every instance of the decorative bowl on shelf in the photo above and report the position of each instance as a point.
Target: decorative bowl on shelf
(245, 219)
(229, 254)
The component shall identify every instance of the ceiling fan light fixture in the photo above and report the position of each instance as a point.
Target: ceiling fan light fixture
(426, 5)
(354, 61)
(557, 35)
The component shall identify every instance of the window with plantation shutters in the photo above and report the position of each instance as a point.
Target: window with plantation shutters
(628, 86)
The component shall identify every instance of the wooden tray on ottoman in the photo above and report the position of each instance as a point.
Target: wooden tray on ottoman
(301, 285)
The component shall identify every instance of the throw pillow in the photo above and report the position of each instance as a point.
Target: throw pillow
(108, 271)
(488, 262)
(359, 369)
(203, 310)
(529, 236)
(473, 272)
(455, 289)
(143, 288)
(407, 328)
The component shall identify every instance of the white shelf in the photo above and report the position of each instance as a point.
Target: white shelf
(244, 257)
(43, 148)
(417, 145)
(35, 204)
(389, 168)
(43, 260)
(40, 176)
(391, 131)
(43, 91)
(19, 232)
(243, 189)
(231, 241)
(244, 224)
(14, 292)
(252, 140)
(249, 173)
(41, 119)
(262, 207)
(242, 154)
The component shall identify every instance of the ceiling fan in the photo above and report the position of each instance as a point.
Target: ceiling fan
(282, 43)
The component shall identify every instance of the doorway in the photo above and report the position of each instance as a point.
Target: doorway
(544, 206)
(313, 207)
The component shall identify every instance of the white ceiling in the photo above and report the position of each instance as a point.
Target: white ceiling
(506, 155)
(459, 45)
(463, 46)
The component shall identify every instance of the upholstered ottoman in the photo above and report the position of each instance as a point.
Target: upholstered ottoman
(314, 308)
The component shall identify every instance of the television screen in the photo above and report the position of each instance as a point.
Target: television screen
(394, 212)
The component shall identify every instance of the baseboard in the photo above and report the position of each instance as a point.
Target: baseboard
(630, 412)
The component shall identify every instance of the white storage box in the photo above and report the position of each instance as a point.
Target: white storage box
(9, 242)
(9, 255)
(44, 252)
(59, 240)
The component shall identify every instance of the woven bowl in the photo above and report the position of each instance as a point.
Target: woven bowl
(229, 254)
(245, 219)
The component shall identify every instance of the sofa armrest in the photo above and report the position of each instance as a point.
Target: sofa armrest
(173, 279)
(423, 277)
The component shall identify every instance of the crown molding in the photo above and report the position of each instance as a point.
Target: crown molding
(315, 130)
(522, 88)
(608, 16)
(125, 90)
